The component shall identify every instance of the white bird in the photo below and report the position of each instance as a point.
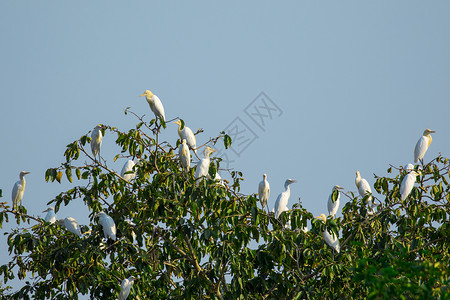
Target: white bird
(282, 200)
(125, 287)
(96, 141)
(155, 104)
(128, 167)
(331, 240)
(71, 225)
(407, 184)
(409, 168)
(422, 145)
(264, 191)
(334, 206)
(185, 155)
(218, 178)
(203, 165)
(288, 223)
(18, 190)
(109, 227)
(187, 134)
(133, 235)
(51, 216)
(364, 189)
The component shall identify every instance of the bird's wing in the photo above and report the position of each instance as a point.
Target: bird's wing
(108, 222)
(280, 204)
(15, 191)
(159, 109)
(189, 136)
(364, 188)
(330, 205)
(261, 189)
(124, 289)
(407, 185)
(421, 148)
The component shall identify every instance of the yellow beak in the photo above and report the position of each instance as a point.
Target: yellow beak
(142, 95)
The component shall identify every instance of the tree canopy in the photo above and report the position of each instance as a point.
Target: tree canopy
(187, 238)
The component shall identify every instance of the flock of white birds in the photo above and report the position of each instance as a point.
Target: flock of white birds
(188, 142)
(363, 188)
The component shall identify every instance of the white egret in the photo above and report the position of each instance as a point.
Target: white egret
(422, 145)
(264, 191)
(288, 223)
(125, 287)
(128, 167)
(364, 189)
(18, 190)
(155, 104)
(133, 235)
(218, 178)
(407, 184)
(331, 240)
(96, 141)
(334, 206)
(282, 200)
(51, 216)
(409, 168)
(203, 165)
(185, 155)
(187, 134)
(71, 225)
(109, 227)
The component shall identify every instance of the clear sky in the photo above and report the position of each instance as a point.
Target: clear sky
(355, 84)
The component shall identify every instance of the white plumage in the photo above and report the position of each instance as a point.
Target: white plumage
(71, 225)
(364, 189)
(203, 165)
(283, 198)
(331, 240)
(125, 287)
(422, 145)
(407, 184)
(264, 191)
(155, 104)
(128, 167)
(18, 190)
(96, 141)
(51, 216)
(185, 155)
(109, 227)
(334, 206)
(187, 134)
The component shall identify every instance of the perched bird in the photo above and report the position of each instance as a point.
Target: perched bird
(288, 223)
(331, 239)
(133, 235)
(128, 167)
(407, 184)
(409, 168)
(109, 227)
(71, 225)
(96, 141)
(264, 191)
(51, 216)
(203, 165)
(187, 134)
(422, 145)
(218, 178)
(185, 155)
(125, 287)
(364, 189)
(18, 190)
(155, 104)
(282, 200)
(333, 206)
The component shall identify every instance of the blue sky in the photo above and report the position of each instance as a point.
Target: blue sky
(357, 83)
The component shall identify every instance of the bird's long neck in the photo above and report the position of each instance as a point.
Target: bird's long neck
(429, 139)
(180, 132)
(357, 181)
(287, 189)
(22, 179)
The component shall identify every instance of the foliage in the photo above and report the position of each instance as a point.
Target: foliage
(204, 239)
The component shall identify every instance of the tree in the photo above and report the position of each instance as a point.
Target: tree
(204, 239)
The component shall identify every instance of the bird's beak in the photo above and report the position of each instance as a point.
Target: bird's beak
(432, 131)
(142, 95)
(213, 150)
(293, 181)
(340, 188)
(27, 173)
